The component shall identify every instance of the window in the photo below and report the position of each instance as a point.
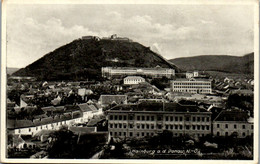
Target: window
(111, 133)
(142, 133)
(120, 117)
(147, 126)
(207, 126)
(130, 134)
(193, 127)
(226, 134)
(131, 118)
(187, 127)
(120, 125)
(137, 134)
(138, 126)
(171, 118)
(181, 127)
(152, 118)
(176, 118)
(143, 118)
(244, 126)
(167, 127)
(217, 125)
(115, 133)
(207, 119)
(159, 118)
(125, 126)
(235, 126)
(115, 117)
(203, 127)
(111, 117)
(180, 118)
(159, 126)
(203, 119)
(252, 126)
(125, 118)
(187, 118)
(131, 125)
(115, 125)
(217, 133)
(166, 118)
(119, 133)
(198, 127)
(138, 117)
(226, 126)
(198, 118)
(176, 127)
(124, 133)
(142, 126)
(152, 126)
(111, 125)
(244, 134)
(193, 119)
(147, 118)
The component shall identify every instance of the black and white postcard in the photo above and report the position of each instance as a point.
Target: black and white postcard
(130, 81)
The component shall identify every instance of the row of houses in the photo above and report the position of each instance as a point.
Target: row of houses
(53, 121)
(148, 119)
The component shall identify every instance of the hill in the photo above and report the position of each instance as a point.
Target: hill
(82, 59)
(222, 63)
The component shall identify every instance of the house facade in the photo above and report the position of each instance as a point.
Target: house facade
(131, 80)
(234, 122)
(202, 86)
(148, 119)
(157, 72)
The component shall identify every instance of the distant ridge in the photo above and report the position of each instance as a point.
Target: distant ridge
(83, 58)
(222, 63)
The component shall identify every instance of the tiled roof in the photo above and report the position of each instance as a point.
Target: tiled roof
(93, 108)
(234, 115)
(133, 77)
(82, 129)
(159, 106)
(108, 99)
(84, 107)
(93, 122)
(48, 108)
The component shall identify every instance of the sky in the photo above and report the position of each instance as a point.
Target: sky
(172, 30)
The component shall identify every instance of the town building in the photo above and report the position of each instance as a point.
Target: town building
(148, 119)
(233, 122)
(105, 100)
(190, 74)
(130, 80)
(157, 72)
(192, 85)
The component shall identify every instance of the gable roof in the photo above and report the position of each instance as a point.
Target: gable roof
(84, 107)
(108, 99)
(233, 115)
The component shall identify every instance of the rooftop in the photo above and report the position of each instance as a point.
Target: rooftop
(234, 115)
(159, 106)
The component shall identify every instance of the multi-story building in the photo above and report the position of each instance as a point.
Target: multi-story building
(202, 86)
(233, 122)
(130, 80)
(148, 119)
(157, 72)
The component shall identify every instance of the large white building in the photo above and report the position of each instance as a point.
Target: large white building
(157, 72)
(192, 85)
(129, 80)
